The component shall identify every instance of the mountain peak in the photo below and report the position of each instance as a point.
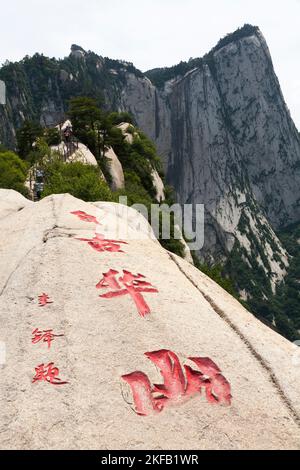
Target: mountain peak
(77, 51)
(240, 33)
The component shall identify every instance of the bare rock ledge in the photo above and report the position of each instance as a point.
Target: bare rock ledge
(106, 338)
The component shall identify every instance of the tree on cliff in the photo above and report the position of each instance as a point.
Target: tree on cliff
(13, 172)
(26, 137)
(84, 115)
(80, 180)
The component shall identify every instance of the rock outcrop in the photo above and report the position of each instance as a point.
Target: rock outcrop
(232, 133)
(226, 136)
(115, 170)
(220, 124)
(228, 142)
(2, 93)
(67, 269)
(158, 185)
(80, 154)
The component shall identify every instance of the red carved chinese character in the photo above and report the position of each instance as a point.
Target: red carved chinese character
(47, 336)
(100, 244)
(48, 374)
(85, 217)
(171, 371)
(145, 404)
(128, 284)
(216, 386)
(44, 300)
(177, 386)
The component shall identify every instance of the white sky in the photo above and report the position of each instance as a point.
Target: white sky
(152, 33)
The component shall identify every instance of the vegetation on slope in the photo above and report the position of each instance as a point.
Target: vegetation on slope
(218, 274)
(38, 79)
(97, 129)
(80, 180)
(243, 32)
(250, 272)
(13, 172)
(287, 299)
(160, 76)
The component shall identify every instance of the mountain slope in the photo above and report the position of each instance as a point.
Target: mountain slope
(220, 124)
(103, 339)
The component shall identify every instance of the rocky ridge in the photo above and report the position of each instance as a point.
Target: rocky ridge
(52, 277)
(220, 124)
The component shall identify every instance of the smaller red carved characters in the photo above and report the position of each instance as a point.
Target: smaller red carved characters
(86, 217)
(44, 300)
(127, 284)
(100, 243)
(179, 384)
(46, 336)
(48, 374)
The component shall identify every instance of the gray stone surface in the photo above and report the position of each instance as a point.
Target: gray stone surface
(106, 338)
(115, 169)
(226, 138)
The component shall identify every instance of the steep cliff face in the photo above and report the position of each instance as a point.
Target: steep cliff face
(228, 141)
(237, 122)
(232, 133)
(220, 124)
(226, 137)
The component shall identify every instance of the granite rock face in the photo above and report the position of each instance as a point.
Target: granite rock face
(115, 169)
(224, 133)
(102, 340)
(226, 137)
(228, 142)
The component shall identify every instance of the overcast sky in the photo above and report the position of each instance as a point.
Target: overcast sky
(152, 33)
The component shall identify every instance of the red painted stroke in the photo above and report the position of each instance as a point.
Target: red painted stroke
(86, 217)
(128, 284)
(178, 384)
(44, 300)
(100, 243)
(171, 371)
(206, 366)
(142, 394)
(220, 390)
(48, 374)
(46, 336)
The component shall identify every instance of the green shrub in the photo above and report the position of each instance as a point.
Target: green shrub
(52, 136)
(217, 274)
(13, 172)
(79, 180)
(118, 118)
(26, 137)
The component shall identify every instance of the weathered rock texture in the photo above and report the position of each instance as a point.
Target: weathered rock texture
(227, 139)
(106, 338)
(115, 169)
(223, 129)
(2, 93)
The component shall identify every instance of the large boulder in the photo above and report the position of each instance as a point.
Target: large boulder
(115, 169)
(63, 267)
(11, 202)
